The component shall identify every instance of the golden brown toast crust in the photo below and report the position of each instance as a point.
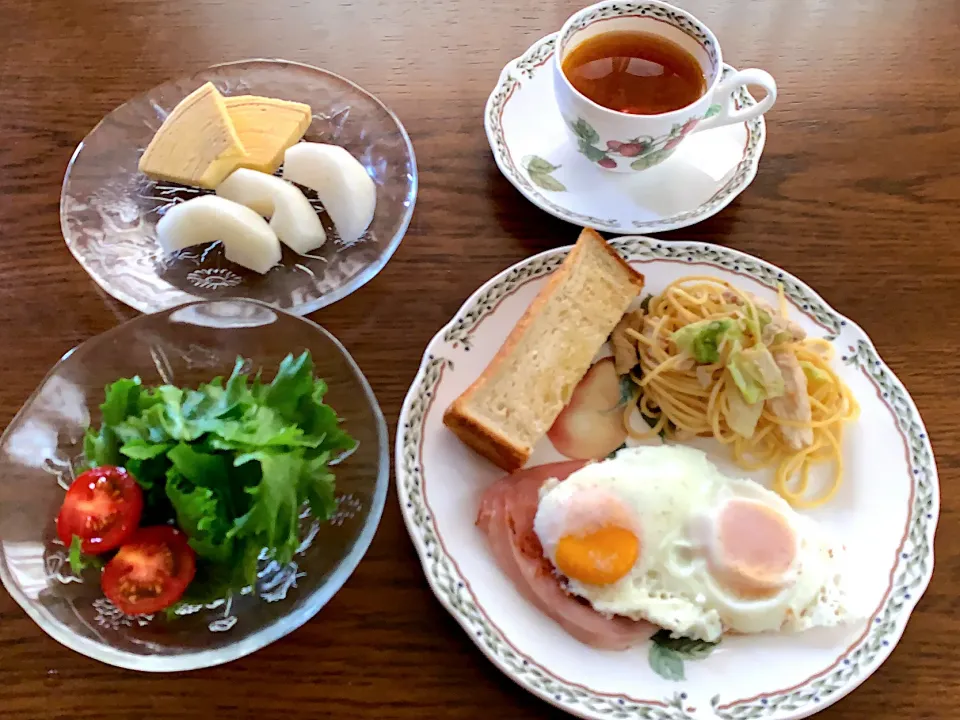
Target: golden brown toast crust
(493, 445)
(593, 236)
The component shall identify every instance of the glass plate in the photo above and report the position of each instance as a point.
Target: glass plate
(109, 210)
(41, 454)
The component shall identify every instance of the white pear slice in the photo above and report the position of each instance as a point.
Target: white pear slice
(340, 181)
(292, 218)
(246, 237)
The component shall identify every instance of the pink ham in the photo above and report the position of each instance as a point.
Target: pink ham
(507, 510)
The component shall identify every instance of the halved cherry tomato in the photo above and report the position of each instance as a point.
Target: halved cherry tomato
(150, 572)
(102, 507)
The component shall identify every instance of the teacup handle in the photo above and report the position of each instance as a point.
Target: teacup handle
(723, 96)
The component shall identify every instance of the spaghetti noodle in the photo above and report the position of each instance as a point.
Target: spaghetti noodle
(720, 362)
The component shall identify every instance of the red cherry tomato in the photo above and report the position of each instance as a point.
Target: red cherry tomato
(102, 507)
(150, 572)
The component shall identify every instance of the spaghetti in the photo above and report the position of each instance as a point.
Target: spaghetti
(717, 361)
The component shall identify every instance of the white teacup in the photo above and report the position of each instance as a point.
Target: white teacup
(623, 142)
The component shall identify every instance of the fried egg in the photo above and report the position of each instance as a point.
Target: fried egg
(660, 534)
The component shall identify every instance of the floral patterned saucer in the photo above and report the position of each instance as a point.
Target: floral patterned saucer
(885, 513)
(533, 150)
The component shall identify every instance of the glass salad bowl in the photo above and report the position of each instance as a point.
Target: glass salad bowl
(109, 209)
(42, 451)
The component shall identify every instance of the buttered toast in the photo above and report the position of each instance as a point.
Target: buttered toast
(531, 378)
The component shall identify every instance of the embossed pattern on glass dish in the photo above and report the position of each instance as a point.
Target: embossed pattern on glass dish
(109, 210)
(41, 454)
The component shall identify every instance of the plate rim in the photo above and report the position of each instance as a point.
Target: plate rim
(184, 297)
(507, 83)
(760, 706)
(278, 629)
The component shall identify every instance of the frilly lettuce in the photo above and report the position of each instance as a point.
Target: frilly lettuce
(233, 462)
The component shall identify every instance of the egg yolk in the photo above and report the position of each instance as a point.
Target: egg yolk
(600, 557)
(756, 547)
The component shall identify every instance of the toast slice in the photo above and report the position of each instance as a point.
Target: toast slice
(531, 378)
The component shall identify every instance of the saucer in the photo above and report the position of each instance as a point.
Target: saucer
(534, 151)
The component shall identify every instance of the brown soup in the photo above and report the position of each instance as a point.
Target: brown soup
(635, 72)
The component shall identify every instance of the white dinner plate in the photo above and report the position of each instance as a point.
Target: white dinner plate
(885, 513)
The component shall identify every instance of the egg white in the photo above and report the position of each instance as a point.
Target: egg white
(672, 493)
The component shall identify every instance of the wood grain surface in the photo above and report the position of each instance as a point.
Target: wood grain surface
(858, 194)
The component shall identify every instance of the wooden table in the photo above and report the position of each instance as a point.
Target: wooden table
(858, 193)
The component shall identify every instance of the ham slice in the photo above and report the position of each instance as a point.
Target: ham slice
(507, 510)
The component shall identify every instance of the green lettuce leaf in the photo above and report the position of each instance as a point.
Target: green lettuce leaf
(200, 468)
(232, 461)
(151, 475)
(121, 399)
(203, 516)
(262, 427)
(317, 486)
(80, 561)
(140, 449)
(274, 517)
(213, 471)
(215, 579)
(320, 421)
(294, 382)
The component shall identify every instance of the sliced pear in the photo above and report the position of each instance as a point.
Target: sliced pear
(292, 218)
(247, 238)
(340, 181)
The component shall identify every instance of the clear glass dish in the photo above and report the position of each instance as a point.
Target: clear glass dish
(109, 210)
(41, 451)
